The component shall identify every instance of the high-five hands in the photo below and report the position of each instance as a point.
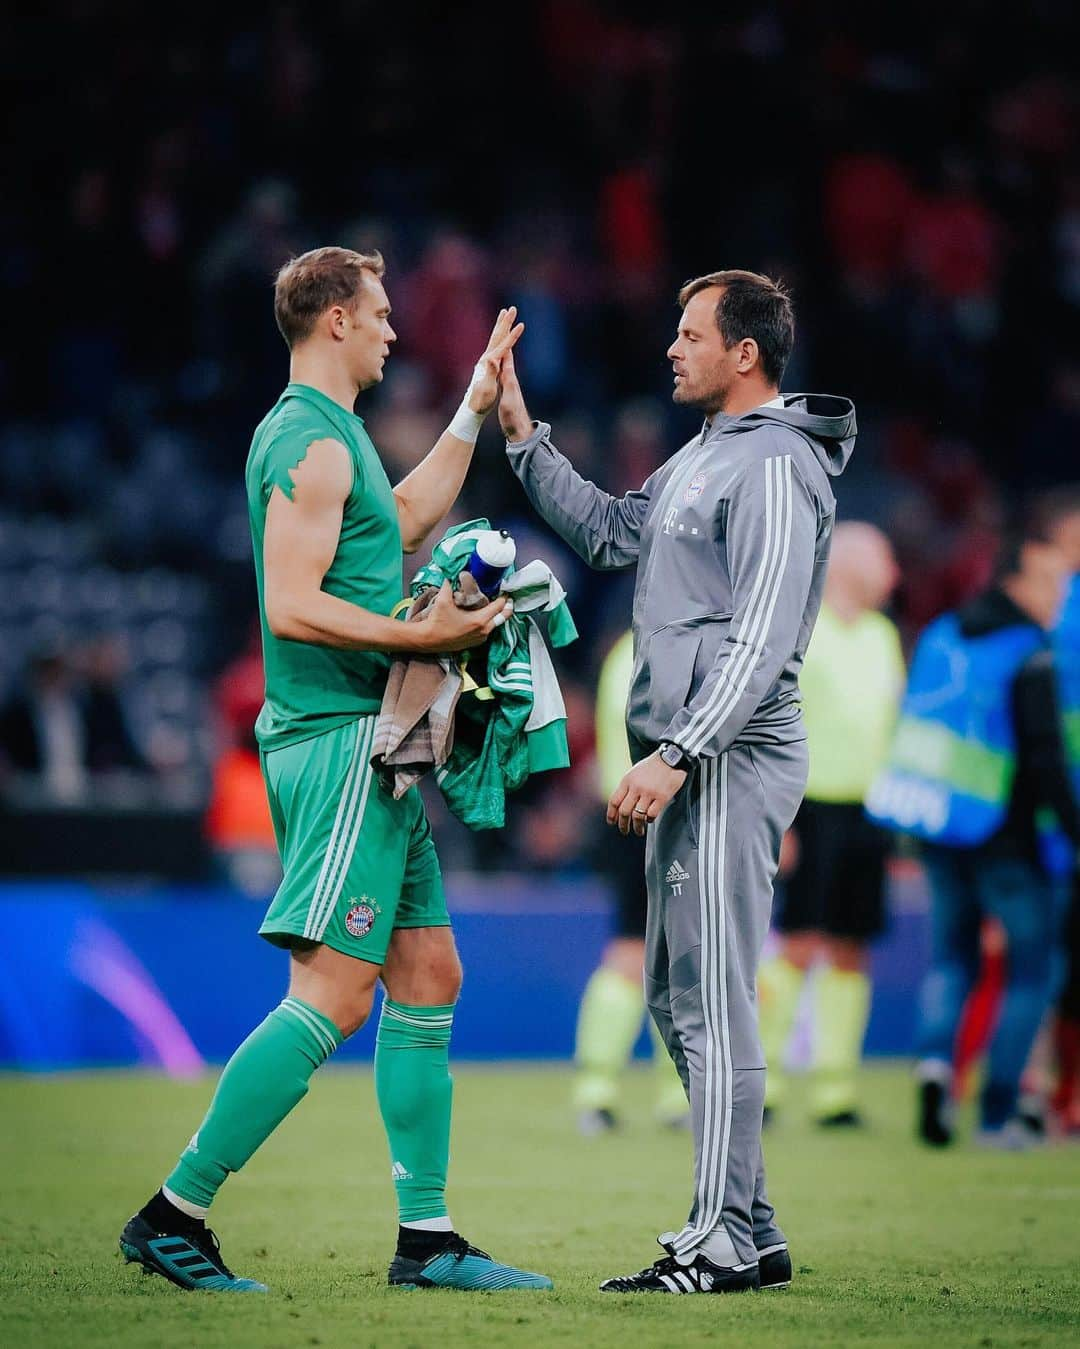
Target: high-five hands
(648, 787)
(643, 793)
(513, 415)
(484, 388)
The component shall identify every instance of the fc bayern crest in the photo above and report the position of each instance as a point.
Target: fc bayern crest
(359, 920)
(695, 487)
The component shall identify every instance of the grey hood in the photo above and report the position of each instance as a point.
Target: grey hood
(826, 421)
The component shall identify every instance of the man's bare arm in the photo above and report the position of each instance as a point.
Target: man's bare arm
(426, 495)
(300, 541)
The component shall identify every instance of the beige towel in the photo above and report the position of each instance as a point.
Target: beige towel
(415, 730)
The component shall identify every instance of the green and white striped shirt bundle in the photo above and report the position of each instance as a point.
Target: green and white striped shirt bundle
(511, 721)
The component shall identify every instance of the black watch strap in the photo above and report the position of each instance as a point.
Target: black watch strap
(673, 755)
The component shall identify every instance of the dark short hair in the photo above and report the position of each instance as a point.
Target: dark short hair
(307, 286)
(751, 305)
(1034, 520)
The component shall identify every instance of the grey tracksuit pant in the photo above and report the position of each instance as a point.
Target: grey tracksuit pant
(710, 862)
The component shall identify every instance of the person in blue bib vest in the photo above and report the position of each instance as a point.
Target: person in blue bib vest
(977, 764)
(1066, 1098)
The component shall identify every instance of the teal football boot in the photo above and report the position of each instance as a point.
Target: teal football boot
(191, 1260)
(459, 1265)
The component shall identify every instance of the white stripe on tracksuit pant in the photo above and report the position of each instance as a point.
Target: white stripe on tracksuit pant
(710, 863)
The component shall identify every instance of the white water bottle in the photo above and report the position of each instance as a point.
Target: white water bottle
(492, 557)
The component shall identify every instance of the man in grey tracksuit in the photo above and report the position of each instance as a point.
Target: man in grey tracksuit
(730, 538)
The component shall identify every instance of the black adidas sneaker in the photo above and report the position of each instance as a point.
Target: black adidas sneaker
(670, 1275)
(774, 1267)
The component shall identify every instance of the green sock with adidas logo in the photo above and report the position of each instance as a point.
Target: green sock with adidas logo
(415, 1092)
(261, 1083)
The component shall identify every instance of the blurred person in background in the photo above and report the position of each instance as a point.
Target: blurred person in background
(66, 724)
(729, 540)
(238, 824)
(448, 300)
(1056, 1054)
(833, 901)
(977, 758)
(362, 897)
(230, 279)
(550, 826)
(1066, 1098)
(613, 1006)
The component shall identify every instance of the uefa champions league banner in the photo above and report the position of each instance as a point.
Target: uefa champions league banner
(175, 978)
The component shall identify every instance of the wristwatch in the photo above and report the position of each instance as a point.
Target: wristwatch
(673, 755)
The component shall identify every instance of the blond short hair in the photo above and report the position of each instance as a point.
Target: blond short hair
(307, 286)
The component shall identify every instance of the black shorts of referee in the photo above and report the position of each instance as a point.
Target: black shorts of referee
(838, 885)
(621, 861)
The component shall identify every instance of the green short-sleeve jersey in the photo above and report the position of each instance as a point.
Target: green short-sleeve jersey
(312, 689)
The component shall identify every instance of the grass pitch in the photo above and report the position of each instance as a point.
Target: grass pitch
(892, 1245)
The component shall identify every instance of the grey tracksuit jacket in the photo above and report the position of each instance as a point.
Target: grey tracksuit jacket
(730, 539)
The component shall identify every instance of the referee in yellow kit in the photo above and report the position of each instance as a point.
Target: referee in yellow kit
(834, 902)
(613, 1004)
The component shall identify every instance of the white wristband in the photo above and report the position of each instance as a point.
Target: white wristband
(465, 423)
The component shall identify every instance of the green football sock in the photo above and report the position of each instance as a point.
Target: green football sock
(841, 1008)
(609, 1022)
(671, 1101)
(415, 1092)
(261, 1083)
(779, 985)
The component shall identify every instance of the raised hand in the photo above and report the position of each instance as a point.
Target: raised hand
(513, 415)
(484, 388)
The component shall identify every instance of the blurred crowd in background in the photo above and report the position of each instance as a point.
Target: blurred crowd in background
(916, 181)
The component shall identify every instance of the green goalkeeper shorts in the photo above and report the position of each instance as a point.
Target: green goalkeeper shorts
(357, 863)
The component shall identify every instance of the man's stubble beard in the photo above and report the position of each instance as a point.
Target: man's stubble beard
(710, 404)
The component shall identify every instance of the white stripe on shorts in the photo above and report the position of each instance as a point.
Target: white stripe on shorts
(366, 775)
(359, 770)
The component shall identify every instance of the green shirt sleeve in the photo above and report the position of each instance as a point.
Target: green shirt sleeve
(288, 448)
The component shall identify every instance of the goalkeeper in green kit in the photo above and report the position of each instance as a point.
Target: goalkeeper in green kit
(362, 895)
